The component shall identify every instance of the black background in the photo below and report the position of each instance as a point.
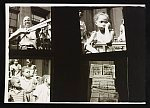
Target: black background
(69, 78)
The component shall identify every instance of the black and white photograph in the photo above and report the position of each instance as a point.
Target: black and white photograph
(28, 80)
(107, 32)
(102, 29)
(74, 53)
(102, 82)
(29, 28)
(103, 88)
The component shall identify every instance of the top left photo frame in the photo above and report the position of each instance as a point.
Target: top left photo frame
(28, 27)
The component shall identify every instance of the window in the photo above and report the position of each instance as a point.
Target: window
(13, 19)
(38, 13)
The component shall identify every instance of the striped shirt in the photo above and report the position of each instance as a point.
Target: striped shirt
(16, 95)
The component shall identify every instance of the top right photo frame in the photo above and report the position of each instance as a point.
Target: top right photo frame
(102, 29)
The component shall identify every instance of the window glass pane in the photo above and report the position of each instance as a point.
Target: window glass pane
(13, 16)
(13, 23)
(36, 18)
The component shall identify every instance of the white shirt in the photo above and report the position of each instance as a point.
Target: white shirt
(28, 39)
(42, 92)
(17, 68)
(27, 84)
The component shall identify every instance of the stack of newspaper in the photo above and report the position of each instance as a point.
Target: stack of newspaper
(103, 84)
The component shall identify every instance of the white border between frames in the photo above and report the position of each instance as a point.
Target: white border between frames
(6, 53)
(7, 5)
(82, 102)
(74, 5)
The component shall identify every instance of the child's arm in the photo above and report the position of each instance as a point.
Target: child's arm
(108, 34)
(91, 38)
(88, 42)
(36, 93)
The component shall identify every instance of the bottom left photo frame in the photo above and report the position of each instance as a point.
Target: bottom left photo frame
(27, 81)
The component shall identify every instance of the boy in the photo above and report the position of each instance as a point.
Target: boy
(42, 92)
(16, 93)
(28, 83)
(29, 65)
(103, 35)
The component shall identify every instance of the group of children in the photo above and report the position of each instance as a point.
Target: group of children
(26, 86)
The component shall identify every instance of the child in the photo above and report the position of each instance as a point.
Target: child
(15, 68)
(83, 30)
(29, 65)
(42, 92)
(122, 32)
(16, 93)
(28, 83)
(103, 35)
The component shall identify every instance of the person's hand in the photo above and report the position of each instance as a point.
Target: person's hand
(107, 25)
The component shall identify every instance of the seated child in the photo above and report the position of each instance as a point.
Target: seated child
(42, 92)
(16, 93)
(28, 83)
(103, 35)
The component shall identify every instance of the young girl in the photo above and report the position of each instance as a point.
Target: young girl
(103, 35)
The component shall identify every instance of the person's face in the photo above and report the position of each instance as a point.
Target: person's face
(17, 83)
(31, 72)
(16, 62)
(28, 62)
(26, 73)
(101, 22)
(27, 22)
